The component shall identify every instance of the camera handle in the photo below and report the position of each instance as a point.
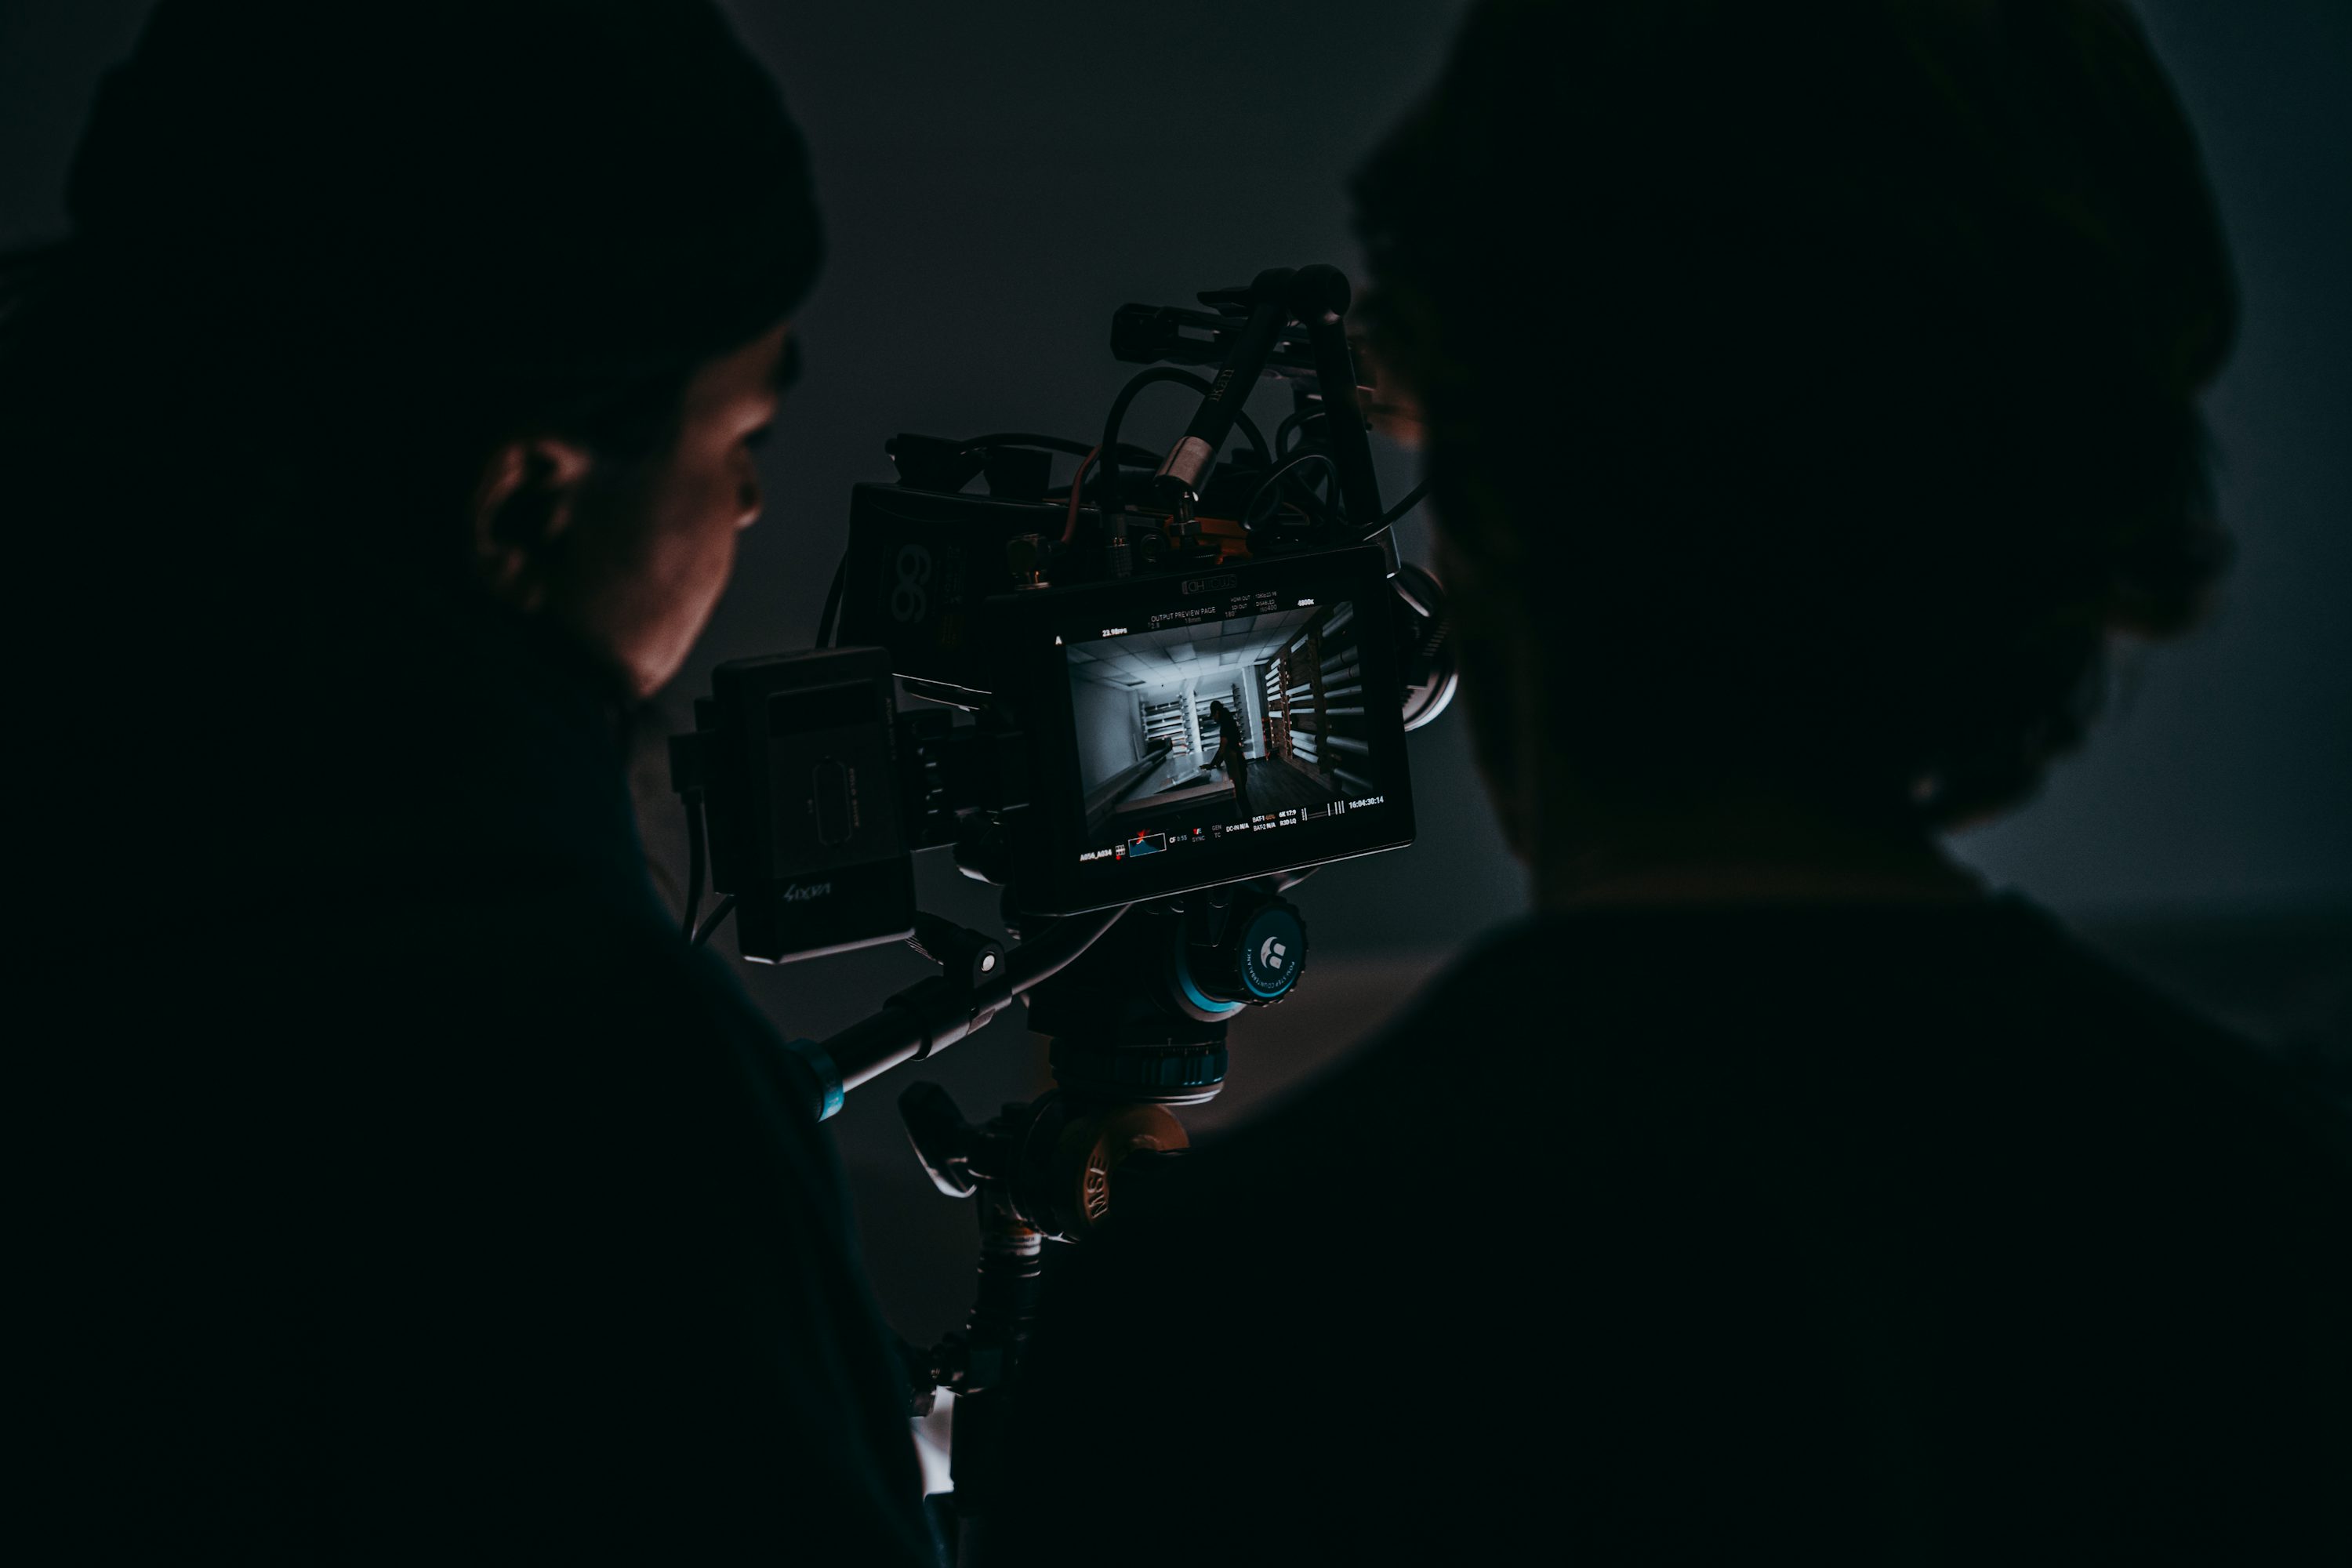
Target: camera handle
(1317, 297)
(1137, 1027)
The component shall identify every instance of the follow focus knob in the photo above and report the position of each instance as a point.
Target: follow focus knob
(1257, 957)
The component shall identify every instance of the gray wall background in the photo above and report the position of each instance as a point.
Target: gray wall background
(997, 179)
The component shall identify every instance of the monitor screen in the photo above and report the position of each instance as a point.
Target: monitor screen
(1225, 727)
(1249, 722)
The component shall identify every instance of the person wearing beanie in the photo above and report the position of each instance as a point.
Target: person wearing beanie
(377, 438)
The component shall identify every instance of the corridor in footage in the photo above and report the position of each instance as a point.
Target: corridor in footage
(1159, 715)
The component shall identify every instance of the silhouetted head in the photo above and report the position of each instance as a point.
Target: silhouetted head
(482, 292)
(1811, 392)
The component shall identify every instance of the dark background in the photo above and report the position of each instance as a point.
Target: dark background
(997, 179)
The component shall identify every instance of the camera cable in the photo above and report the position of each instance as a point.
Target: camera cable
(833, 603)
(1412, 497)
(697, 857)
(702, 933)
(1295, 421)
(1272, 482)
(1127, 395)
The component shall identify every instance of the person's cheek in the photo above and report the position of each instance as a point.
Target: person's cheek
(721, 565)
(711, 557)
(734, 510)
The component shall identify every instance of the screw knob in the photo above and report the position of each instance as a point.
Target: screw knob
(1258, 956)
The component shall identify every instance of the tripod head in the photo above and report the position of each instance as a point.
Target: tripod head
(1138, 1025)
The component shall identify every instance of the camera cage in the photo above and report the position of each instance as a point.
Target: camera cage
(818, 786)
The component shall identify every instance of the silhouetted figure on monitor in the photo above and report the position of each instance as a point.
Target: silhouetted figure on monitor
(379, 436)
(1809, 396)
(1231, 756)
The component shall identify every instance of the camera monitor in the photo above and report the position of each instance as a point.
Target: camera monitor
(1201, 728)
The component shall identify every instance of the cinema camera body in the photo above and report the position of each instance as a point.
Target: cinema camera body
(1124, 690)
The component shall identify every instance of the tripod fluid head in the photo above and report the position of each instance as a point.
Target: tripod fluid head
(1138, 1025)
(1143, 1019)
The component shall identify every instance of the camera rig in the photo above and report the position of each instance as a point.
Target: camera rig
(1146, 702)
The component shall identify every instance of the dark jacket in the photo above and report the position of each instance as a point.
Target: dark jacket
(493, 1222)
(1862, 1235)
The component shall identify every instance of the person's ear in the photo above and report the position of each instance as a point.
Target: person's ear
(528, 496)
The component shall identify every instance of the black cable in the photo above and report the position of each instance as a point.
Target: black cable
(1024, 438)
(1413, 499)
(1293, 421)
(1055, 948)
(833, 603)
(1282, 471)
(1127, 395)
(694, 860)
(1108, 495)
(718, 914)
(1129, 452)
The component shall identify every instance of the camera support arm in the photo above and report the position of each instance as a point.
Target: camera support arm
(934, 1015)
